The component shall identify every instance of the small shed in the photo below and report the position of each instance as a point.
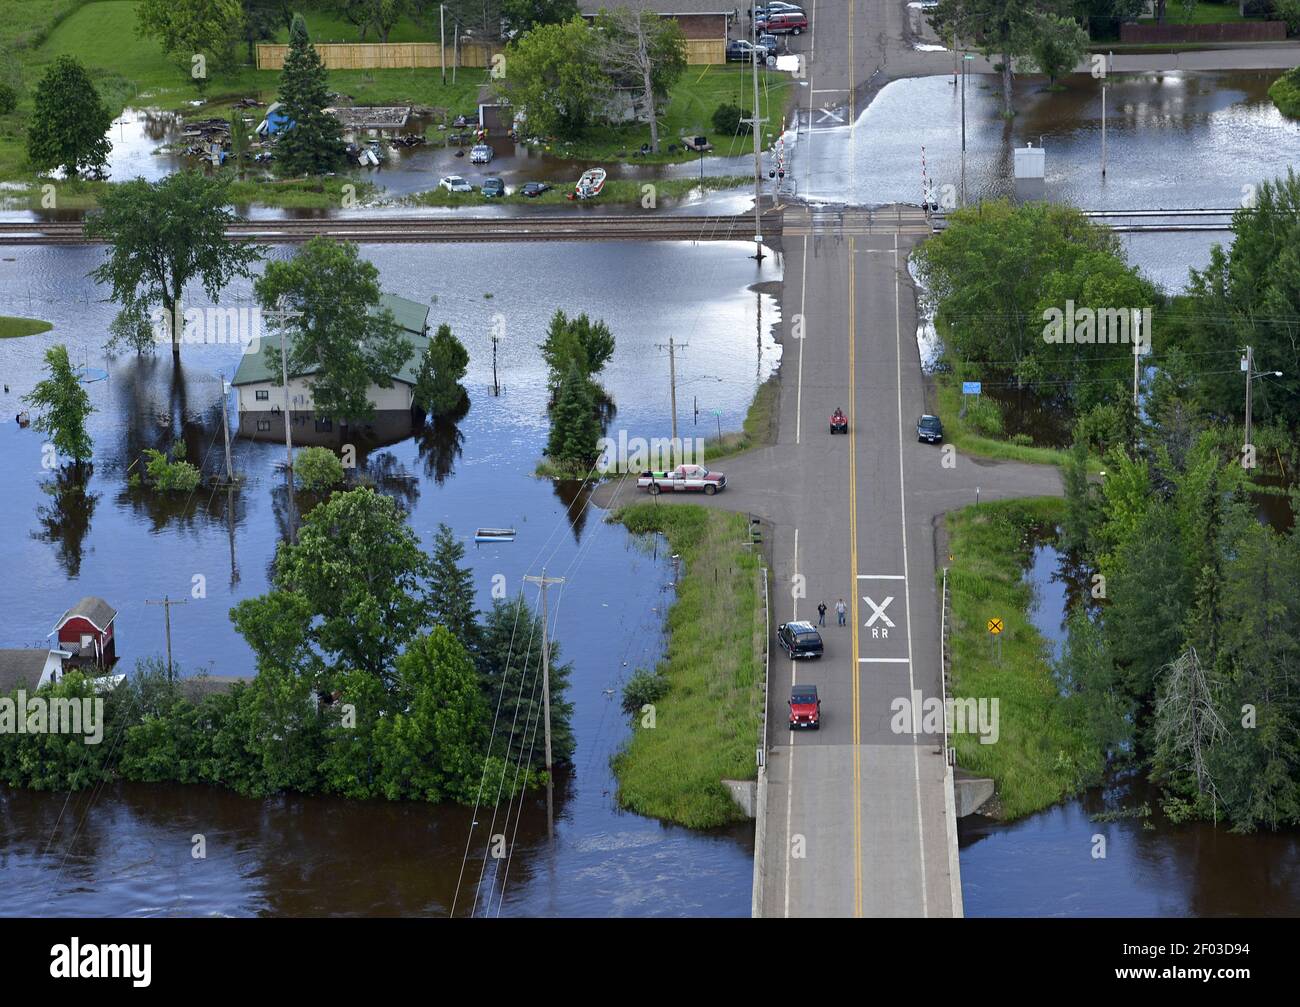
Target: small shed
(85, 633)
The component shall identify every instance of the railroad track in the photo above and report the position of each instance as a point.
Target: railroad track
(660, 227)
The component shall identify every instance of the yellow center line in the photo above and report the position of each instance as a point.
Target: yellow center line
(853, 561)
(853, 524)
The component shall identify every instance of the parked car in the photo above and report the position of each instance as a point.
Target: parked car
(839, 422)
(805, 707)
(780, 24)
(741, 50)
(683, 479)
(775, 6)
(699, 144)
(454, 183)
(481, 153)
(799, 639)
(534, 189)
(772, 44)
(493, 187)
(929, 428)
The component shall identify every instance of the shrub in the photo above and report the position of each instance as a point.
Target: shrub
(726, 119)
(317, 469)
(1289, 12)
(642, 689)
(1285, 91)
(8, 98)
(170, 477)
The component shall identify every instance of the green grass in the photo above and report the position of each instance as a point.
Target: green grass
(690, 111)
(288, 193)
(706, 726)
(13, 328)
(1285, 92)
(129, 70)
(621, 191)
(1040, 756)
(1202, 13)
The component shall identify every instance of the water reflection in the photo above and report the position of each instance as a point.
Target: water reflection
(65, 519)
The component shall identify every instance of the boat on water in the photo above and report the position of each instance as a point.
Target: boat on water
(590, 184)
(494, 535)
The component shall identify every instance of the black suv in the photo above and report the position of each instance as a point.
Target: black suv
(928, 428)
(799, 639)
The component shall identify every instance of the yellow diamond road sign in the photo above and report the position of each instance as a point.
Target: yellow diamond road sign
(995, 626)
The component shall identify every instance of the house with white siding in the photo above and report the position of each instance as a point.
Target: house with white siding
(260, 397)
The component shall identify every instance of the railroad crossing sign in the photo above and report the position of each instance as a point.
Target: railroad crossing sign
(995, 634)
(995, 626)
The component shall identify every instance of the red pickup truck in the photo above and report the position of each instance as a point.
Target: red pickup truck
(683, 479)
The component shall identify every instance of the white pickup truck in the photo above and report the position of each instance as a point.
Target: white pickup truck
(683, 479)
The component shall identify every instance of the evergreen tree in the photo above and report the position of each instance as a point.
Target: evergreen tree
(69, 124)
(311, 144)
(62, 406)
(574, 426)
(511, 660)
(451, 589)
(438, 390)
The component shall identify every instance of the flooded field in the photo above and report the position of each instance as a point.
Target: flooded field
(1042, 865)
(130, 852)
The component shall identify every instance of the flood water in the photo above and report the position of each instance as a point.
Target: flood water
(317, 856)
(1176, 139)
(1043, 865)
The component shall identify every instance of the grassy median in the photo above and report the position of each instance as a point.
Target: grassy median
(1041, 755)
(706, 725)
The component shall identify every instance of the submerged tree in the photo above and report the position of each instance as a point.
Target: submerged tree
(162, 236)
(438, 390)
(62, 405)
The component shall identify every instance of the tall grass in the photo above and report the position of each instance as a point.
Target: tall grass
(1041, 754)
(706, 726)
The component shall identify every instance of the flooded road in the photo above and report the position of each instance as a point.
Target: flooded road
(1174, 140)
(321, 855)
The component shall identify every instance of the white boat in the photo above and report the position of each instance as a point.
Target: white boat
(494, 535)
(590, 184)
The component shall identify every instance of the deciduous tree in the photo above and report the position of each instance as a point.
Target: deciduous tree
(69, 124)
(62, 405)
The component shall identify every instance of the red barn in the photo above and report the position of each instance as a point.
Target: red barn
(85, 632)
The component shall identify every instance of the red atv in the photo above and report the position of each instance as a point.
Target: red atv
(839, 422)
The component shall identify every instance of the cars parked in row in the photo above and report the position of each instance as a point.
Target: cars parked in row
(493, 187)
(799, 639)
(455, 183)
(481, 153)
(741, 50)
(783, 22)
(534, 189)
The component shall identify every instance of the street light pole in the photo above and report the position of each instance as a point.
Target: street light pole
(544, 582)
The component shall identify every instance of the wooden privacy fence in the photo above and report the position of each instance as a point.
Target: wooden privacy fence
(381, 55)
(404, 55)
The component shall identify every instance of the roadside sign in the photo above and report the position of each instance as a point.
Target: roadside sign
(970, 388)
(995, 626)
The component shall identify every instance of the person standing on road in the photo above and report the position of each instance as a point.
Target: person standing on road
(840, 609)
(821, 613)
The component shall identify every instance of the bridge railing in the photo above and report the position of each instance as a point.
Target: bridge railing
(945, 664)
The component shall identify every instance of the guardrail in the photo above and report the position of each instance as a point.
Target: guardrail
(760, 790)
(767, 667)
(949, 754)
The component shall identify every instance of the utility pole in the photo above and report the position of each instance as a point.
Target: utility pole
(1138, 350)
(672, 346)
(1250, 368)
(281, 316)
(1103, 129)
(755, 123)
(455, 51)
(544, 582)
(442, 41)
(496, 387)
(225, 428)
(965, 59)
(167, 604)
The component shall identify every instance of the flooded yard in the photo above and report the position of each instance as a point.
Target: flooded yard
(321, 855)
